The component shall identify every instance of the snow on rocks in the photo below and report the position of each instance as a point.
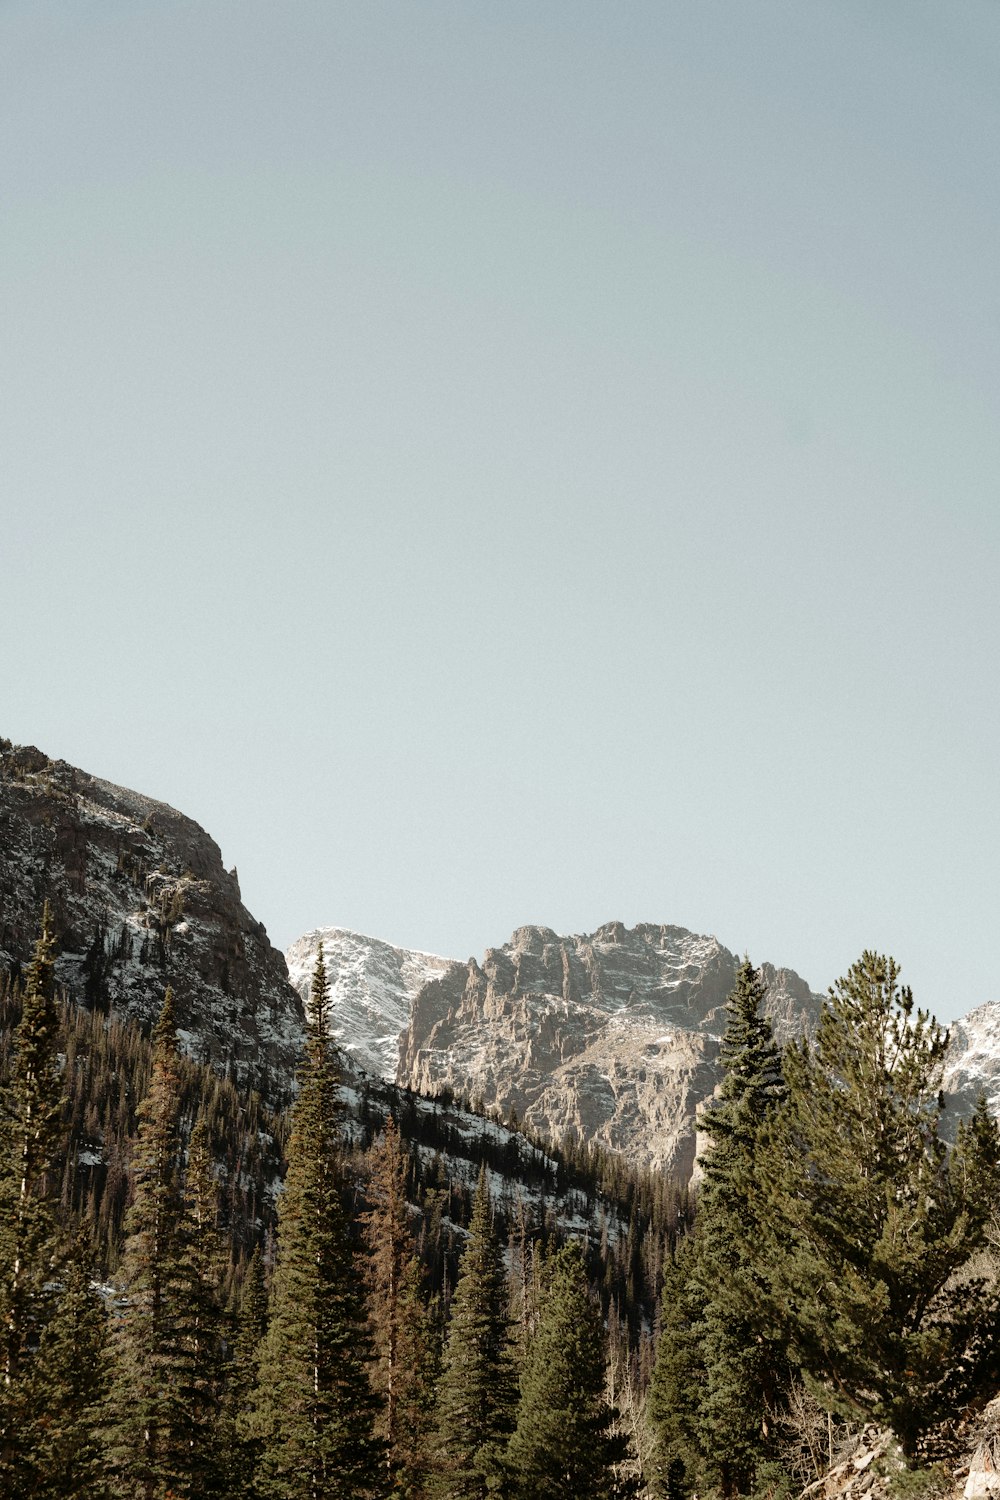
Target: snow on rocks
(372, 988)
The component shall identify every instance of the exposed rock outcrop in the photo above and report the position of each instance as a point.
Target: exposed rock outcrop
(140, 899)
(612, 1037)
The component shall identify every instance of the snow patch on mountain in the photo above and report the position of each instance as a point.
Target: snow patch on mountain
(972, 1062)
(372, 988)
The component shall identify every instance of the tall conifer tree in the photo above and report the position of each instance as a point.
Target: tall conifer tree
(241, 1442)
(314, 1410)
(870, 1218)
(155, 1430)
(198, 1313)
(31, 1135)
(476, 1392)
(32, 1132)
(563, 1446)
(674, 1398)
(70, 1390)
(744, 1372)
(717, 1380)
(403, 1370)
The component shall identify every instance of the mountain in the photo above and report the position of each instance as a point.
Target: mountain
(140, 900)
(972, 1062)
(372, 989)
(611, 1037)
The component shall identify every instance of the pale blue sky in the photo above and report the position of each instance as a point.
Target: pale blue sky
(525, 462)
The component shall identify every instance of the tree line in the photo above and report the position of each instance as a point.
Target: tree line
(164, 1334)
(836, 1272)
(328, 1371)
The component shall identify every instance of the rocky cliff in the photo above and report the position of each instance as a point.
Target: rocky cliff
(140, 900)
(613, 1036)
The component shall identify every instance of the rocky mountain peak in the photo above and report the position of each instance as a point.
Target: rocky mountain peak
(972, 1062)
(140, 899)
(611, 1036)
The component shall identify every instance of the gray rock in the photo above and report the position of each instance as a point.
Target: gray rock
(611, 1037)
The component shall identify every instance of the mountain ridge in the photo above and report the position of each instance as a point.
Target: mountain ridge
(372, 985)
(610, 1037)
(140, 899)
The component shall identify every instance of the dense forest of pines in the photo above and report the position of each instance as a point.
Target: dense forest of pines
(173, 1326)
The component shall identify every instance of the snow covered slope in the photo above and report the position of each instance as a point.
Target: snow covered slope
(972, 1062)
(372, 988)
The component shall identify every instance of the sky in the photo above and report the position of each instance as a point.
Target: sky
(494, 464)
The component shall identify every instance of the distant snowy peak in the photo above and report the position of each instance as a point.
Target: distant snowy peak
(372, 988)
(972, 1062)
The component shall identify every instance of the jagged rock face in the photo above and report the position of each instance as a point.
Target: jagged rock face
(612, 1036)
(140, 900)
(372, 988)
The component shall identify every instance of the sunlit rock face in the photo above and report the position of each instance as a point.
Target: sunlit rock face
(140, 899)
(612, 1036)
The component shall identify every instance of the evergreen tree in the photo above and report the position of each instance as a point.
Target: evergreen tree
(31, 1138)
(28, 1187)
(717, 1380)
(870, 1219)
(197, 1314)
(744, 1372)
(154, 1425)
(314, 1410)
(562, 1447)
(673, 1403)
(403, 1370)
(242, 1448)
(476, 1393)
(69, 1390)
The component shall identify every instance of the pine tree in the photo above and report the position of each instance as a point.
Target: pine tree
(476, 1393)
(69, 1390)
(314, 1410)
(29, 1184)
(241, 1446)
(152, 1434)
(717, 1380)
(870, 1219)
(32, 1132)
(673, 1402)
(198, 1315)
(563, 1447)
(744, 1372)
(403, 1370)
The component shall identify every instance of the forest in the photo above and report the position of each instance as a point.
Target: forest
(202, 1298)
